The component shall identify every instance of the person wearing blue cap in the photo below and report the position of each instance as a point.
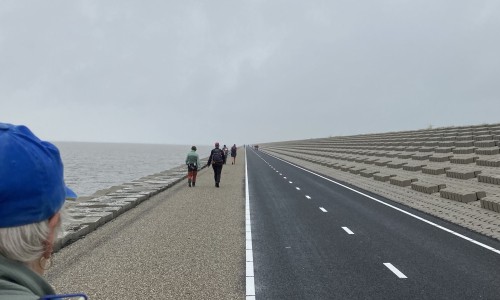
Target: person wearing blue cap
(32, 194)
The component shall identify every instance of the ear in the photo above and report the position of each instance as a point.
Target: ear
(54, 220)
(53, 223)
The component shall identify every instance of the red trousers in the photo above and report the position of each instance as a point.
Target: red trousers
(192, 175)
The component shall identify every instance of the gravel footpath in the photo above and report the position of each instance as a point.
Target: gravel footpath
(184, 243)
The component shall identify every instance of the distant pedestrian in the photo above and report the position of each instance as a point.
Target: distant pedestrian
(226, 152)
(217, 159)
(32, 195)
(233, 154)
(192, 162)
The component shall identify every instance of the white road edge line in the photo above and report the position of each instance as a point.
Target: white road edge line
(250, 282)
(395, 270)
(347, 230)
(396, 208)
(323, 210)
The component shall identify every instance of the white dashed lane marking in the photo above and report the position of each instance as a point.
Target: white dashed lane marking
(298, 189)
(308, 197)
(323, 210)
(395, 270)
(347, 230)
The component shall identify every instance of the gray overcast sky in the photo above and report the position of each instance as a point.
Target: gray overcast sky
(195, 72)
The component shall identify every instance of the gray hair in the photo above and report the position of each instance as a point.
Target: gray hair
(24, 243)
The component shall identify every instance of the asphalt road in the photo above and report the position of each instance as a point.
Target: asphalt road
(314, 239)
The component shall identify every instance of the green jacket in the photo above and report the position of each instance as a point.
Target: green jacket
(18, 282)
(193, 158)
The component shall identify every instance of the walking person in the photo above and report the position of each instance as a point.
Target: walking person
(226, 152)
(217, 159)
(233, 154)
(32, 195)
(192, 162)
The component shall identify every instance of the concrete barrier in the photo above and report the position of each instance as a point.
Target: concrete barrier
(462, 173)
(427, 187)
(414, 167)
(356, 170)
(382, 162)
(444, 149)
(462, 195)
(402, 181)
(486, 144)
(368, 172)
(467, 159)
(489, 178)
(434, 170)
(346, 168)
(488, 151)
(405, 155)
(396, 164)
(491, 203)
(483, 137)
(464, 150)
(464, 143)
(440, 157)
(383, 176)
(421, 156)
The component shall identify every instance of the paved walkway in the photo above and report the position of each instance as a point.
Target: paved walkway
(184, 243)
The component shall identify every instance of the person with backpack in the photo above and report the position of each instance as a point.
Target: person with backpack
(217, 159)
(192, 162)
(233, 154)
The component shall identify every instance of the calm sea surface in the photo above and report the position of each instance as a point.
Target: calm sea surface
(89, 167)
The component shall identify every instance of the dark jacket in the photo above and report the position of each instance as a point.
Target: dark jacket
(18, 282)
(212, 154)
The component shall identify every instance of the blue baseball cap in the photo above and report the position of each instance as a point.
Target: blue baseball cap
(32, 187)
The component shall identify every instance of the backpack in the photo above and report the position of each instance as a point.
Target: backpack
(217, 157)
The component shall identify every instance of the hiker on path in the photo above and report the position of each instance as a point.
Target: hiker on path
(226, 152)
(233, 154)
(32, 195)
(192, 162)
(217, 159)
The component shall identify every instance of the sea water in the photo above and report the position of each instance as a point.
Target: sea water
(89, 167)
